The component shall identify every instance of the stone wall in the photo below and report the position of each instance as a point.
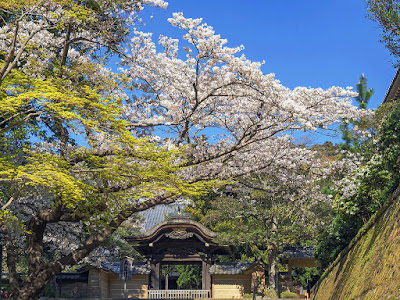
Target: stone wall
(369, 268)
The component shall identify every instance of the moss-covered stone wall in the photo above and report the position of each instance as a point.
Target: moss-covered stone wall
(369, 268)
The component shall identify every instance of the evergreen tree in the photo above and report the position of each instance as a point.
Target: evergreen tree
(364, 93)
(363, 97)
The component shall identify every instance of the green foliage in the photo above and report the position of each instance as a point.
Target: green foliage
(49, 292)
(351, 141)
(387, 14)
(338, 236)
(247, 224)
(368, 269)
(116, 240)
(68, 154)
(364, 93)
(230, 218)
(270, 293)
(346, 136)
(202, 205)
(307, 276)
(326, 151)
(288, 294)
(371, 186)
(389, 142)
(257, 223)
(189, 277)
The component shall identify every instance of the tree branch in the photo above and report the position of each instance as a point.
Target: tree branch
(11, 200)
(38, 279)
(64, 54)
(5, 129)
(10, 56)
(21, 51)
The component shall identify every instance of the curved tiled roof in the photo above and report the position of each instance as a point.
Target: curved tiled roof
(138, 268)
(394, 88)
(306, 252)
(159, 213)
(232, 268)
(173, 222)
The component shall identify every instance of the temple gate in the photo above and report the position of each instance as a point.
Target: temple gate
(178, 241)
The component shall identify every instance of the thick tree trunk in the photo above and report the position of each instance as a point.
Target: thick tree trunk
(273, 258)
(273, 268)
(34, 249)
(41, 273)
(14, 278)
(33, 290)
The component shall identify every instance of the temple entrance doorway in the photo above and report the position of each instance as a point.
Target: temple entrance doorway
(181, 276)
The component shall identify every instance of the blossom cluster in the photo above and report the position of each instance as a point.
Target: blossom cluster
(196, 95)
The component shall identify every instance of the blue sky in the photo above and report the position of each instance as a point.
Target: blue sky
(312, 43)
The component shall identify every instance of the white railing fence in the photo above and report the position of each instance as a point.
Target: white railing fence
(178, 294)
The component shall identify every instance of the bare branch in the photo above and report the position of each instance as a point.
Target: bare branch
(21, 51)
(5, 129)
(10, 56)
(11, 200)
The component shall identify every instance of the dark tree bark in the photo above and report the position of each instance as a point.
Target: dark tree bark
(41, 273)
(273, 258)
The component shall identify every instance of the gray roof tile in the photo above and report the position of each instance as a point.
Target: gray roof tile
(138, 268)
(306, 252)
(73, 276)
(230, 268)
(160, 213)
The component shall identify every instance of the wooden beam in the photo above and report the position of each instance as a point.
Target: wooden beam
(155, 275)
(302, 262)
(181, 260)
(206, 276)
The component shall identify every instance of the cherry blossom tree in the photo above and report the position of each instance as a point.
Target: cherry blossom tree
(56, 92)
(100, 146)
(216, 89)
(267, 212)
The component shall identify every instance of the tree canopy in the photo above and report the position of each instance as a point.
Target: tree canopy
(387, 14)
(85, 147)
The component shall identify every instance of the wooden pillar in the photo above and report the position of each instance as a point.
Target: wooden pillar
(290, 270)
(155, 275)
(206, 276)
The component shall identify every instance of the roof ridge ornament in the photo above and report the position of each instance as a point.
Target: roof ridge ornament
(179, 234)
